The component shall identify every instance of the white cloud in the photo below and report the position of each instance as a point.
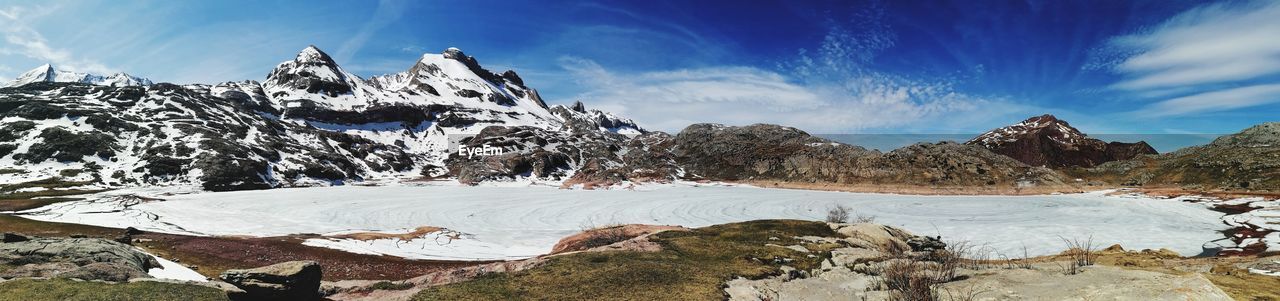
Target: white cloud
(21, 39)
(1219, 53)
(671, 100)
(1221, 100)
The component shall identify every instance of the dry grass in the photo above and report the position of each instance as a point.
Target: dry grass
(70, 290)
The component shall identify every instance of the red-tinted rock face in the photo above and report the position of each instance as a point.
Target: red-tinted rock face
(1047, 141)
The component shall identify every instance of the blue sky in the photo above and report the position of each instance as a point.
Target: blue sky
(825, 66)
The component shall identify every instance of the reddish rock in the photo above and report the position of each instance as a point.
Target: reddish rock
(1048, 141)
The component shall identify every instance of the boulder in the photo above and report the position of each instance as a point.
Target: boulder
(12, 237)
(874, 236)
(80, 258)
(294, 280)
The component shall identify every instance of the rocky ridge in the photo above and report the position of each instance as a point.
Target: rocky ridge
(1248, 160)
(310, 123)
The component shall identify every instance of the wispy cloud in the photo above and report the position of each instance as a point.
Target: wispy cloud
(832, 89)
(1221, 100)
(21, 39)
(388, 11)
(1217, 52)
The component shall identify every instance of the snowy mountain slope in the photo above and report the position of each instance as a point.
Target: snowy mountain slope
(309, 123)
(46, 73)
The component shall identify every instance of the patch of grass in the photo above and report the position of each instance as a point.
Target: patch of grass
(54, 190)
(49, 183)
(1235, 281)
(5, 171)
(70, 290)
(1242, 285)
(691, 266)
(14, 224)
(24, 204)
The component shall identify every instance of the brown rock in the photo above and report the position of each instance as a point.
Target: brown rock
(294, 280)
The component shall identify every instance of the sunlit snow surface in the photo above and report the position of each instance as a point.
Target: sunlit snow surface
(518, 222)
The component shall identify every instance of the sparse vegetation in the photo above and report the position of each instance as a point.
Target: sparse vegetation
(1080, 252)
(918, 278)
(691, 266)
(73, 290)
(860, 218)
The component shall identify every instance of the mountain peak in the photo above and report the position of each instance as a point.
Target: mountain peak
(47, 73)
(314, 55)
(455, 54)
(1046, 140)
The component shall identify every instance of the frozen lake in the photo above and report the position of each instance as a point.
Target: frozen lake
(518, 222)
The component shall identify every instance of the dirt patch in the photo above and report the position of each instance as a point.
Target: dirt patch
(368, 236)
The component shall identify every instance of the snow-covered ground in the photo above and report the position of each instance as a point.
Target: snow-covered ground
(172, 270)
(494, 222)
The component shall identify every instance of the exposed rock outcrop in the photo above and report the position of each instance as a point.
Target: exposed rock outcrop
(80, 258)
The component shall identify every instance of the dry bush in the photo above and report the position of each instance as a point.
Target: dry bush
(957, 255)
(603, 235)
(859, 218)
(1080, 252)
(908, 280)
(838, 214)
(1023, 262)
(965, 293)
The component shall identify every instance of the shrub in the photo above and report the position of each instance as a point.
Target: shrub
(838, 214)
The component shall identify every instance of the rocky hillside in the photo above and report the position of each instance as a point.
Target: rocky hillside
(777, 153)
(1248, 160)
(309, 123)
(1048, 141)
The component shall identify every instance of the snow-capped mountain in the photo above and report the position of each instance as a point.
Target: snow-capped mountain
(309, 123)
(1048, 141)
(47, 73)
